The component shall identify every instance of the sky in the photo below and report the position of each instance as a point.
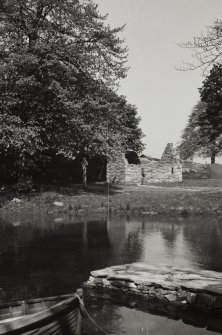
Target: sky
(163, 95)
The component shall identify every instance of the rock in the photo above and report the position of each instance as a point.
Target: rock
(161, 291)
(131, 285)
(191, 297)
(122, 277)
(143, 287)
(16, 200)
(182, 294)
(171, 297)
(116, 283)
(58, 203)
(17, 223)
(106, 282)
(99, 273)
(182, 288)
(91, 279)
(58, 219)
(152, 292)
(98, 281)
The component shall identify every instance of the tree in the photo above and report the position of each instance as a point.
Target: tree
(206, 48)
(70, 34)
(211, 95)
(197, 137)
(59, 66)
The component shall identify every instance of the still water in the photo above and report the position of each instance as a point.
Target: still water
(48, 255)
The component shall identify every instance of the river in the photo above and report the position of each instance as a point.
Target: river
(48, 255)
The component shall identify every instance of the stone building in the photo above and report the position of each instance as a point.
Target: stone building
(166, 169)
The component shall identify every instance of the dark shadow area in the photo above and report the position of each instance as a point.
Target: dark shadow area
(190, 316)
(57, 171)
(93, 188)
(132, 158)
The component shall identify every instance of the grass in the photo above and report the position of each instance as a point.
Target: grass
(191, 197)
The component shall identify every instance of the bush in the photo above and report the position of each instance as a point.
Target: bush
(24, 185)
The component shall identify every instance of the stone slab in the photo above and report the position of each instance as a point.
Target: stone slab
(183, 288)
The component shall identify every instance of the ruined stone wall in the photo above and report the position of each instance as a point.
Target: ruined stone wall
(115, 171)
(167, 169)
(133, 174)
(156, 172)
(119, 171)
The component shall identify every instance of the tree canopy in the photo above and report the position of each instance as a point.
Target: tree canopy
(211, 94)
(60, 64)
(206, 48)
(70, 34)
(203, 133)
(197, 136)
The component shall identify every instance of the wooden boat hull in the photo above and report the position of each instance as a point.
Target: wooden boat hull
(49, 316)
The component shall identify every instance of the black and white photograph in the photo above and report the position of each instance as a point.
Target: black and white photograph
(110, 167)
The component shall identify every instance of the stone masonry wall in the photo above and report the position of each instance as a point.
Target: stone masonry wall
(133, 174)
(172, 287)
(155, 172)
(169, 155)
(119, 171)
(115, 171)
(167, 169)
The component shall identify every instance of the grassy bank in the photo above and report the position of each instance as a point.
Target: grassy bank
(187, 198)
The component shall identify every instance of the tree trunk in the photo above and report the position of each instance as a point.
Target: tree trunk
(84, 172)
(212, 158)
(84, 177)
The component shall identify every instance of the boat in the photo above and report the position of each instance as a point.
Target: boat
(60, 315)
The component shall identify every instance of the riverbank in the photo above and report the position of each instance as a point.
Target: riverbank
(191, 197)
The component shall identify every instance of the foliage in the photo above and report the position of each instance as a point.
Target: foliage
(206, 48)
(59, 66)
(112, 123)
(197, 136)
(25, 185)
(211, 94)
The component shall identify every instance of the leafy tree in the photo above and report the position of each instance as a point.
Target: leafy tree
(197, 137)
(211, 94)
(69, 34)
(59, 65)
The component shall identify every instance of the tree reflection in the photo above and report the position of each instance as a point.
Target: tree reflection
(204, 236)
(55, 258)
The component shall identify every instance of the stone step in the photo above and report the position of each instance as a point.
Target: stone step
(174, 288)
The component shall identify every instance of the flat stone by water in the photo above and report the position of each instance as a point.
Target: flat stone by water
(174, 288)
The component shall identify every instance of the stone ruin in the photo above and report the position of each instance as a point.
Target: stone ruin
(167, 169)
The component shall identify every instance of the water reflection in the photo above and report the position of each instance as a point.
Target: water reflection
(55, 256)
(205, 242)
(119, 320)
